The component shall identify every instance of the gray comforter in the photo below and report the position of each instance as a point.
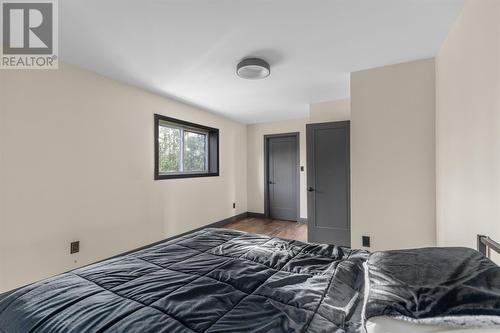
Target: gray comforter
(218, 280)
(214, 280)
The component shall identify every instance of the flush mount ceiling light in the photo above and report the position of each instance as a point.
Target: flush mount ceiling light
(253, 69)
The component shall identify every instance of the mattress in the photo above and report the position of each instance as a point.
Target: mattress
(390, 325)
(214, 280)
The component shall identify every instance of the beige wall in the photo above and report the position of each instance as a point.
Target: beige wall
(468, 127)
(330, 111)
(393, 155)
(77, 164)
(318, 112)
(76, 159)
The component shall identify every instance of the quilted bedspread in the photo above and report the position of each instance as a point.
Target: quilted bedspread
(213, 280)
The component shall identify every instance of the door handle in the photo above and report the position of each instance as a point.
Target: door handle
(270, 182)
(310, 189)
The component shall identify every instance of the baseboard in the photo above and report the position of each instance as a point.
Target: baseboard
(263, 216)
(217, 224)
(222, 223)
(256, 215)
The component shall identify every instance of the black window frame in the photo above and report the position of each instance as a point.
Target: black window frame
(213, 149)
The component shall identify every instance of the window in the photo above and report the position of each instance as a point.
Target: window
(184, 149)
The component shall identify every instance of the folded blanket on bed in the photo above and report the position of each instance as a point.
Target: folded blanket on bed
(443, 286)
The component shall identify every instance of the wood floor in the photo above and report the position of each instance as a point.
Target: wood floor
(278, 228)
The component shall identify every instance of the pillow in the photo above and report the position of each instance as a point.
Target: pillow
(456, 287)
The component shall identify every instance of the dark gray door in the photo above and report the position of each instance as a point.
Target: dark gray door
(328, 180)
(282, 177)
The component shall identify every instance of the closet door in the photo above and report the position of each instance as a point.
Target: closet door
(328, 180)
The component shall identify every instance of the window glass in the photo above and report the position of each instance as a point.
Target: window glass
(195, 152)
(184, 149)
(169, 140)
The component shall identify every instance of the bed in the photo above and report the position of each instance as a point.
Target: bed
(219, 280)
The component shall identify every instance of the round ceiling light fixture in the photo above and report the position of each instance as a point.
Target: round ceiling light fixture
(253, 69)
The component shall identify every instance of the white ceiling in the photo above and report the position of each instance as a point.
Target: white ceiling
(188, 49)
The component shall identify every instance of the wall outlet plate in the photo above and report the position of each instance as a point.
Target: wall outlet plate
(74, 247)
(365, 241)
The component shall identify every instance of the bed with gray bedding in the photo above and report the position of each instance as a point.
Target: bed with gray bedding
(218, 280)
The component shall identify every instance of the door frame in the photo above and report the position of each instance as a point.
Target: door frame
(267, 137)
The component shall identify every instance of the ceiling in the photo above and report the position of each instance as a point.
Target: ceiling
(188, 49)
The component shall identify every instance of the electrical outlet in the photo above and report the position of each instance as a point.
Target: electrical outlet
(234, 204)
(74, 247)
(366, 241)
(301, 168)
